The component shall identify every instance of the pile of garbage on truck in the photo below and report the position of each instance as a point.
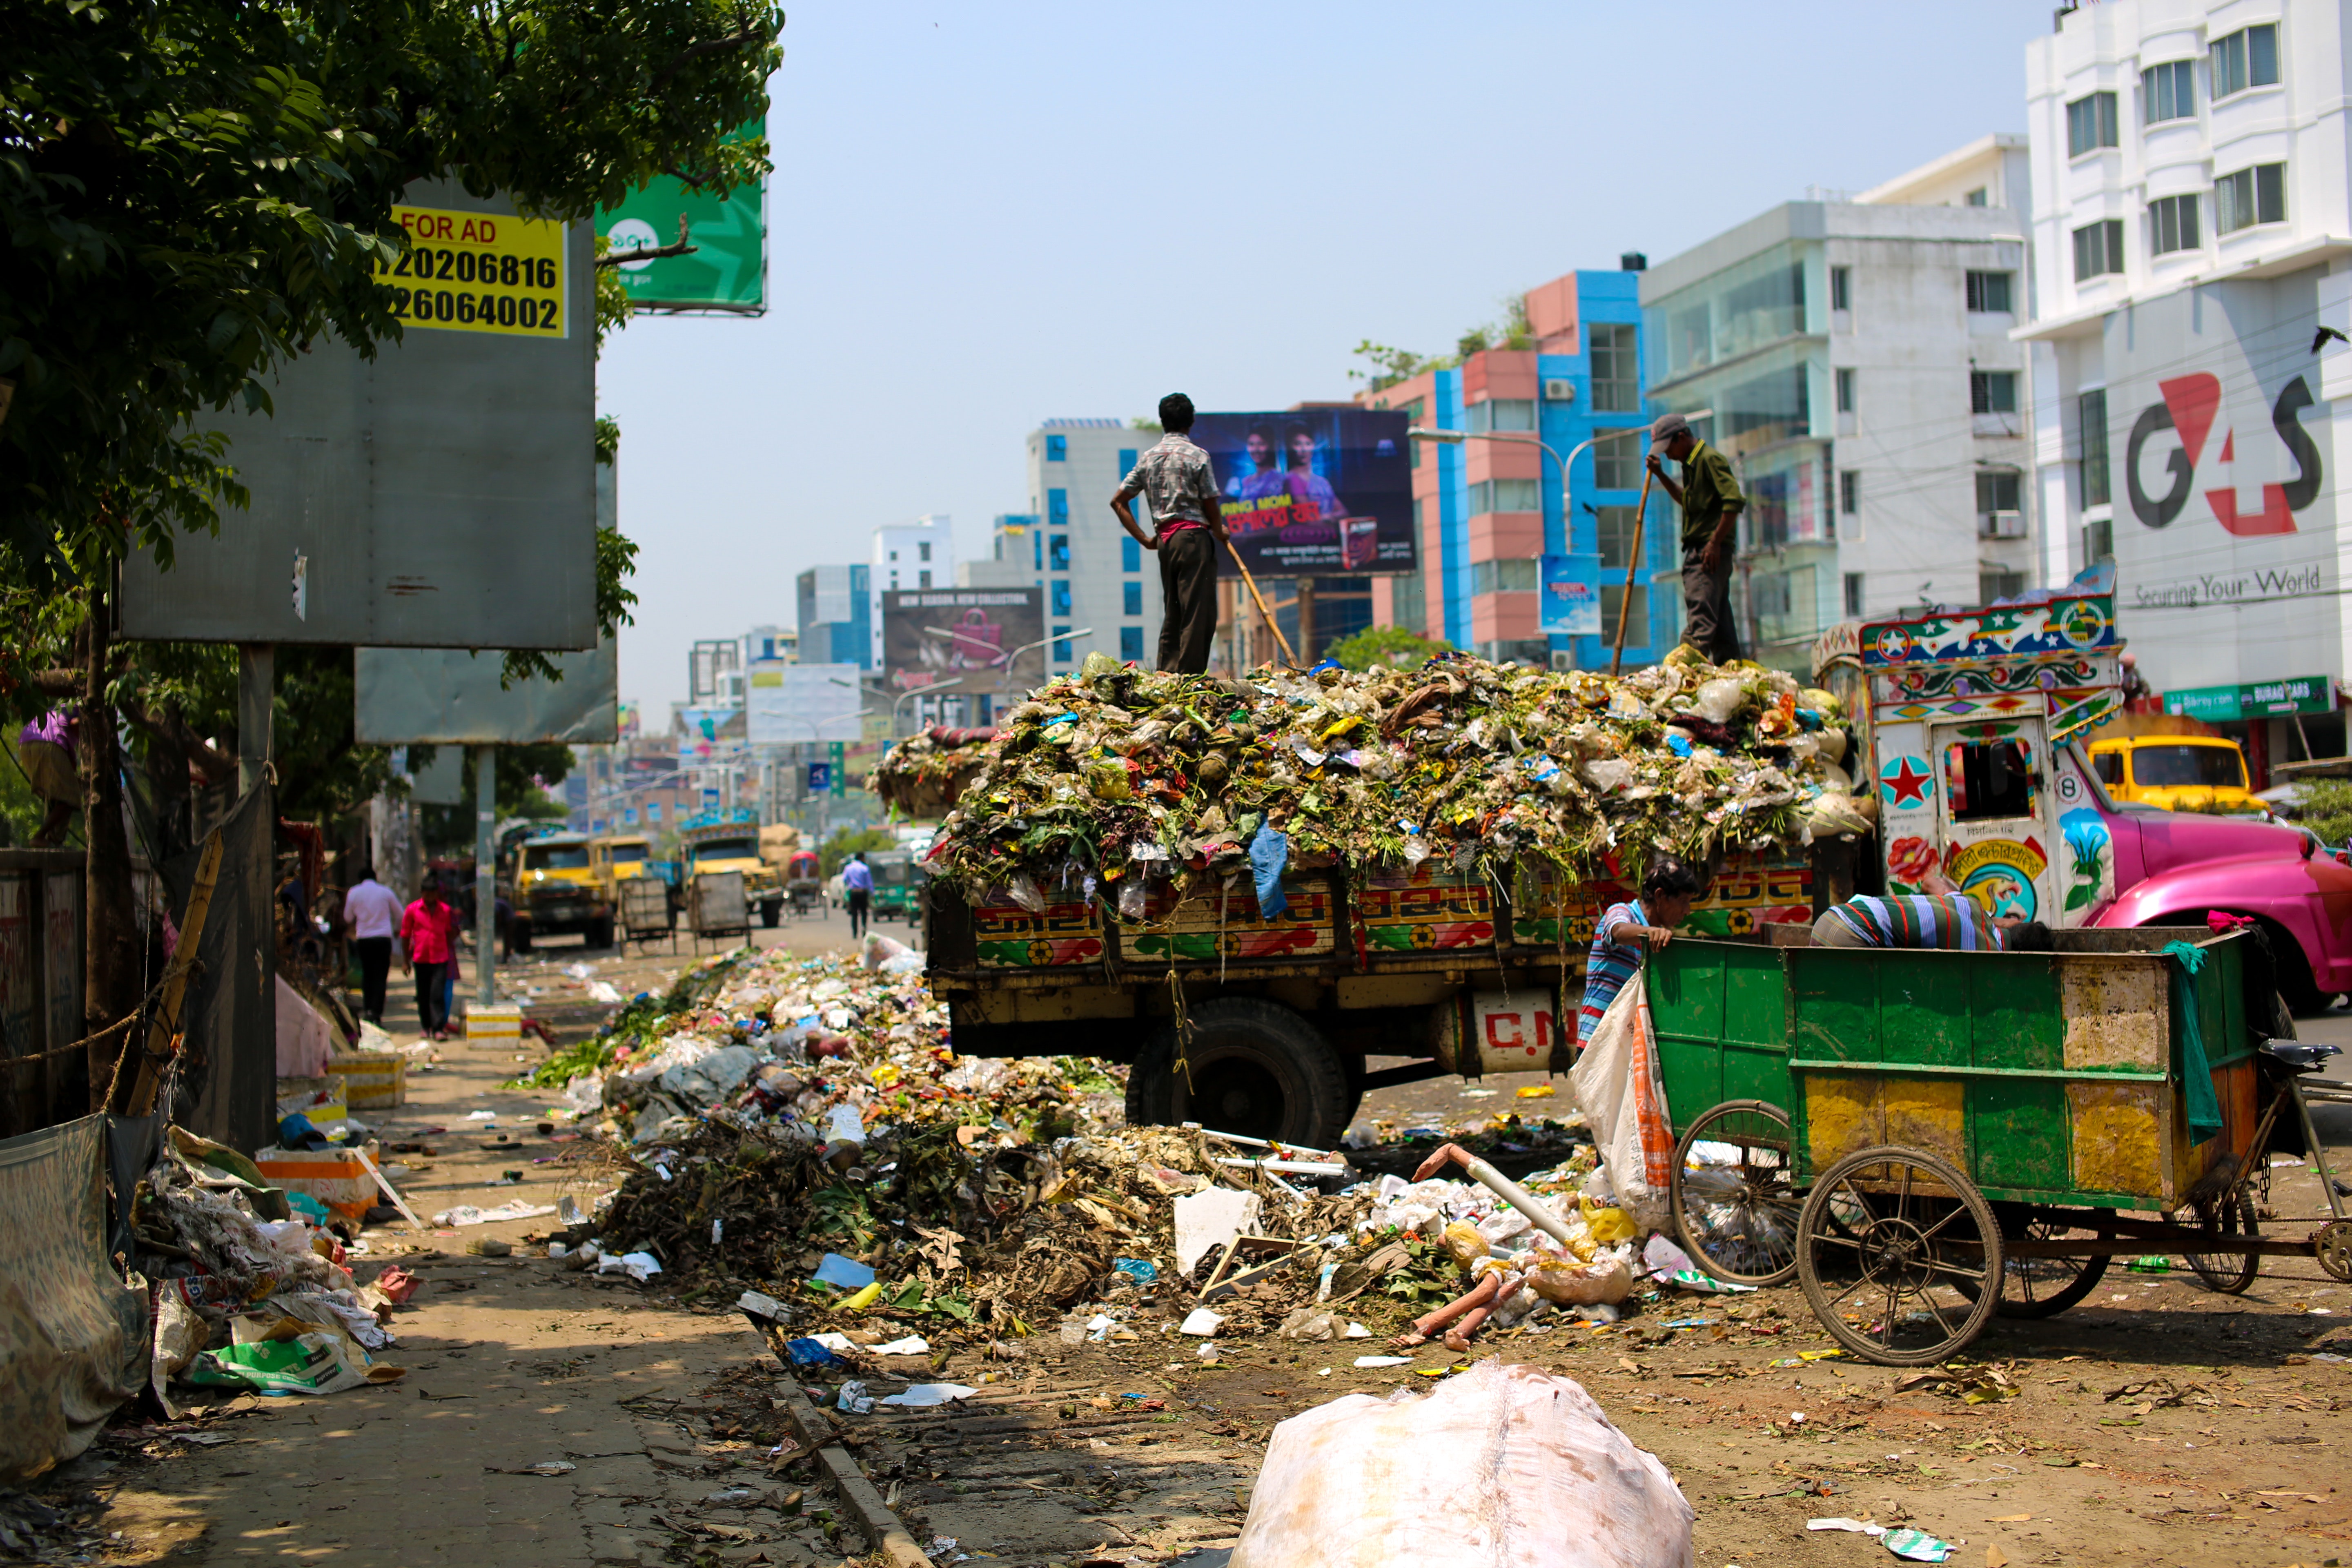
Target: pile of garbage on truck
(1117, 776)
(923, 776)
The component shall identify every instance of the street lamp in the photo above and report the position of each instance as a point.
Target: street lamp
(1012, 658)
(935, 688)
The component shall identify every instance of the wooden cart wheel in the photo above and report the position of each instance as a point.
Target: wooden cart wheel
(1738, 1219)
(2228, 1272)
(1895, 1250)
(2045, 1287)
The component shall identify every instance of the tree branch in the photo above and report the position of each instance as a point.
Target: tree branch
(746, 34)
(619, 257)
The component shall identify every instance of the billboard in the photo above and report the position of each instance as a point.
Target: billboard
(449, 697)
(792, 704)
(2224, 525)
(442, 494)
(707, 734)
(1314, 492)
(966, 636)
(1571, 597)
(727, 270)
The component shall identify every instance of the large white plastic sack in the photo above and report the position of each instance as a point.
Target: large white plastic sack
(1616, 1084)
(1504, 1466)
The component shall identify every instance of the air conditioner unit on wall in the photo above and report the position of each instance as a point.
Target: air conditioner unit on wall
(2001, 525)
(1558, 391)
(1561, 659)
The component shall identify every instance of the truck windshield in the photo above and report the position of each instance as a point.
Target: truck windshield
(726, 849)
(628, 855)
(554, 857)
(2200, 767)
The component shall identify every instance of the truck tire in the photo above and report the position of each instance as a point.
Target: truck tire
(771, 913)
(600, 933)
(518, 936)
(1258, 1068)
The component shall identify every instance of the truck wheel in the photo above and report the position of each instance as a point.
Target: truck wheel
(599, 935)
(1257, 1069)
(519, 937)
(770, 913)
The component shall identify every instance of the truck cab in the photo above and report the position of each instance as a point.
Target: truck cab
(2176, 773)
(559, 887)
(730, 841)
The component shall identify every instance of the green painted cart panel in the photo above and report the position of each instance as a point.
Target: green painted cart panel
(1721, 1013)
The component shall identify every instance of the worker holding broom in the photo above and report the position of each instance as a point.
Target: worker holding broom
(1711, 503)
(1189, 530)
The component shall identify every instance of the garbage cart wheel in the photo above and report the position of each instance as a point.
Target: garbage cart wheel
(2045, 1287)
(1255, 1068)
(2229, 1272)
(1895, 1250)
(1737, 1213)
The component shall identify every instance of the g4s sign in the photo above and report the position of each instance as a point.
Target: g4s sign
(2190, 405)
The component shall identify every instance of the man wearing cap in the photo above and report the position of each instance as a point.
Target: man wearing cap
(1711, 503)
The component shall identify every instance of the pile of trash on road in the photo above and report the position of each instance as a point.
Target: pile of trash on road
(923, 776)
(1119, 775)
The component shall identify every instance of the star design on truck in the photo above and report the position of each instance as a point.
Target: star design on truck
(1906, 781)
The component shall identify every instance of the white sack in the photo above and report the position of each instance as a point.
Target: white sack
(1616, 1084)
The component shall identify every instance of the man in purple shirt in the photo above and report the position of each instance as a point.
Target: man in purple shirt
(858, 886)
(1188, 528)
(46, 748)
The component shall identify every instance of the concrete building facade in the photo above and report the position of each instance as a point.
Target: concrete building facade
(2192, 221)
(1095, 578)
(1854, 356)
(837, 619)
(918, 554)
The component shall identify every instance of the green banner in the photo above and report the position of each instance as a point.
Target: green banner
(2259, 700)
(728, 269)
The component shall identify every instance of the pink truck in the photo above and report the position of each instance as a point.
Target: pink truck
(1968, 724)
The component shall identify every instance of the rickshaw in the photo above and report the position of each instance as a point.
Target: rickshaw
(1923, 1139)
(804, 883)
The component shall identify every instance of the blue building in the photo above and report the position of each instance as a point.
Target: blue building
(837, 622)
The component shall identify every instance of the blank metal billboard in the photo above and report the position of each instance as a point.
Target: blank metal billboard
(442, 495)
(438, 696)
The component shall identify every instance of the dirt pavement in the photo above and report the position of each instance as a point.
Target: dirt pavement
(2159, 1423)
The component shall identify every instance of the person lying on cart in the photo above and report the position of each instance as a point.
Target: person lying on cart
(1627, 931)
(1941, 917)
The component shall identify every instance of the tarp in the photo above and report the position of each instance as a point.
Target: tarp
(73, 1337)
(228, 1090)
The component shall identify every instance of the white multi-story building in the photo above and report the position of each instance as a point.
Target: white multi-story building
(1856, 357)
(2192, 226)
(919, 555)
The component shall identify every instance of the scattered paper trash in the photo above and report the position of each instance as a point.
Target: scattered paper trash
(913, 1345)
(1852, 1526)
(760, 1306)
(1384, 1360)
(852, 1396)
(845, 1273)
(1099, 1326)
(1203, 1323)
(638, 1266)
(550, 1468)
(1357, 1332)
(466, 1214)
(922, 1395)
(1916, 1545)
(1206, 1221)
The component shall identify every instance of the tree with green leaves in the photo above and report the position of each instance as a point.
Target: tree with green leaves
(1392, 646)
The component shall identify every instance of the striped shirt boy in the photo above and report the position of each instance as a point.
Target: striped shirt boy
(1608, 966)
(1950, 920)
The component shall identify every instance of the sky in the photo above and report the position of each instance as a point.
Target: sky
(985, 216)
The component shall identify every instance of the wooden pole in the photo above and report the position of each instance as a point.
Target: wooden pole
(140, 1097)
(1267, 616)
(1632, 565)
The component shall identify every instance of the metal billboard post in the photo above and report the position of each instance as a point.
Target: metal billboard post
(257, 701)
(486, 876)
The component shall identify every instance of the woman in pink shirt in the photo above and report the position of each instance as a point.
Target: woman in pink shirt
(428, 947)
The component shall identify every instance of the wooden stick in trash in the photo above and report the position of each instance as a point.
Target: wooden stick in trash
(1288, 658)
(1538, 1212)
(386, 1188)
(139, 1099)
(1633, 565)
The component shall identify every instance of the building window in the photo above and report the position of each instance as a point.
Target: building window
(2169, 91)
(1502, 577)
(1408, 601)
(1997, 491)
(1057, 507)
(1057, 448)
(1845, 391)
(1849, 492)
(1057, 551)
(2098, 540)
(1503, 414)
(1130, 644)
(922, 553)
(2245, 59)
(1840, 287)
(1617, 459)
(1062, 595)
(922, 579)
(1854, 580)
(2091, 125)
(1616, 374)
(2091, 414)
(1130, 553)
(1989, 293)
(1980, 197)
(1504, 495)
(1130, 596)
(2098, 249)
(1637, 616)
(1614, 524)
(1061, 649)
(2250, 196)
(1998, 582)
(2171, 225)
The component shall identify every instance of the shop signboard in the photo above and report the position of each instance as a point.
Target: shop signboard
(1571, 595)
(727, 269)
(2258, 699)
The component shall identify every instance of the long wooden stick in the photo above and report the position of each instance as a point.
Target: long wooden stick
(1271, 624)
(1633, 565)
(140, 1099)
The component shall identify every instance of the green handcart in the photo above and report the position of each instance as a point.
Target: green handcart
(1923, 1139)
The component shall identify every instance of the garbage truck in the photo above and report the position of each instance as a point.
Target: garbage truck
(1965, 731)
(730, 841)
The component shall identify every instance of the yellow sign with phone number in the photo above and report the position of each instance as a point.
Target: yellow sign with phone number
(479, 272)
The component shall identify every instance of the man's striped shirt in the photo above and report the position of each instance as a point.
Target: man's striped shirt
(1920, 920)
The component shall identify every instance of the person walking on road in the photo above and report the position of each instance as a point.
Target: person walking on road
(1711, 503)
(428, 950)
(372, 914)
(858, 886)
(1187, 530)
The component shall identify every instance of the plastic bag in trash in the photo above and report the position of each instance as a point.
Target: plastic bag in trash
(1499, 1467)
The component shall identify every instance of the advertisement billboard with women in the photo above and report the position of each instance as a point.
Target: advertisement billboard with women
(1315, 492)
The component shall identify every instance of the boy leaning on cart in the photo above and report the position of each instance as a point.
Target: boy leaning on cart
(1941, 917)
(1627, 931)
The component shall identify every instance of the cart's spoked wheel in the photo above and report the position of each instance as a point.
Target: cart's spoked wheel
(1895, 1249)
(2332, 1248)
(1734, 1202)
(2228, 1272)
(2045, 1287)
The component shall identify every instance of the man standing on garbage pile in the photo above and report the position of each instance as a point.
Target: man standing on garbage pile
(857, 887)
(1941, 917)
(1628, 931)
(372, 914)
(1711, 503)
(1189, 529)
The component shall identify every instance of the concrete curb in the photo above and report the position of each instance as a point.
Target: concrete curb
(882, 1526)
